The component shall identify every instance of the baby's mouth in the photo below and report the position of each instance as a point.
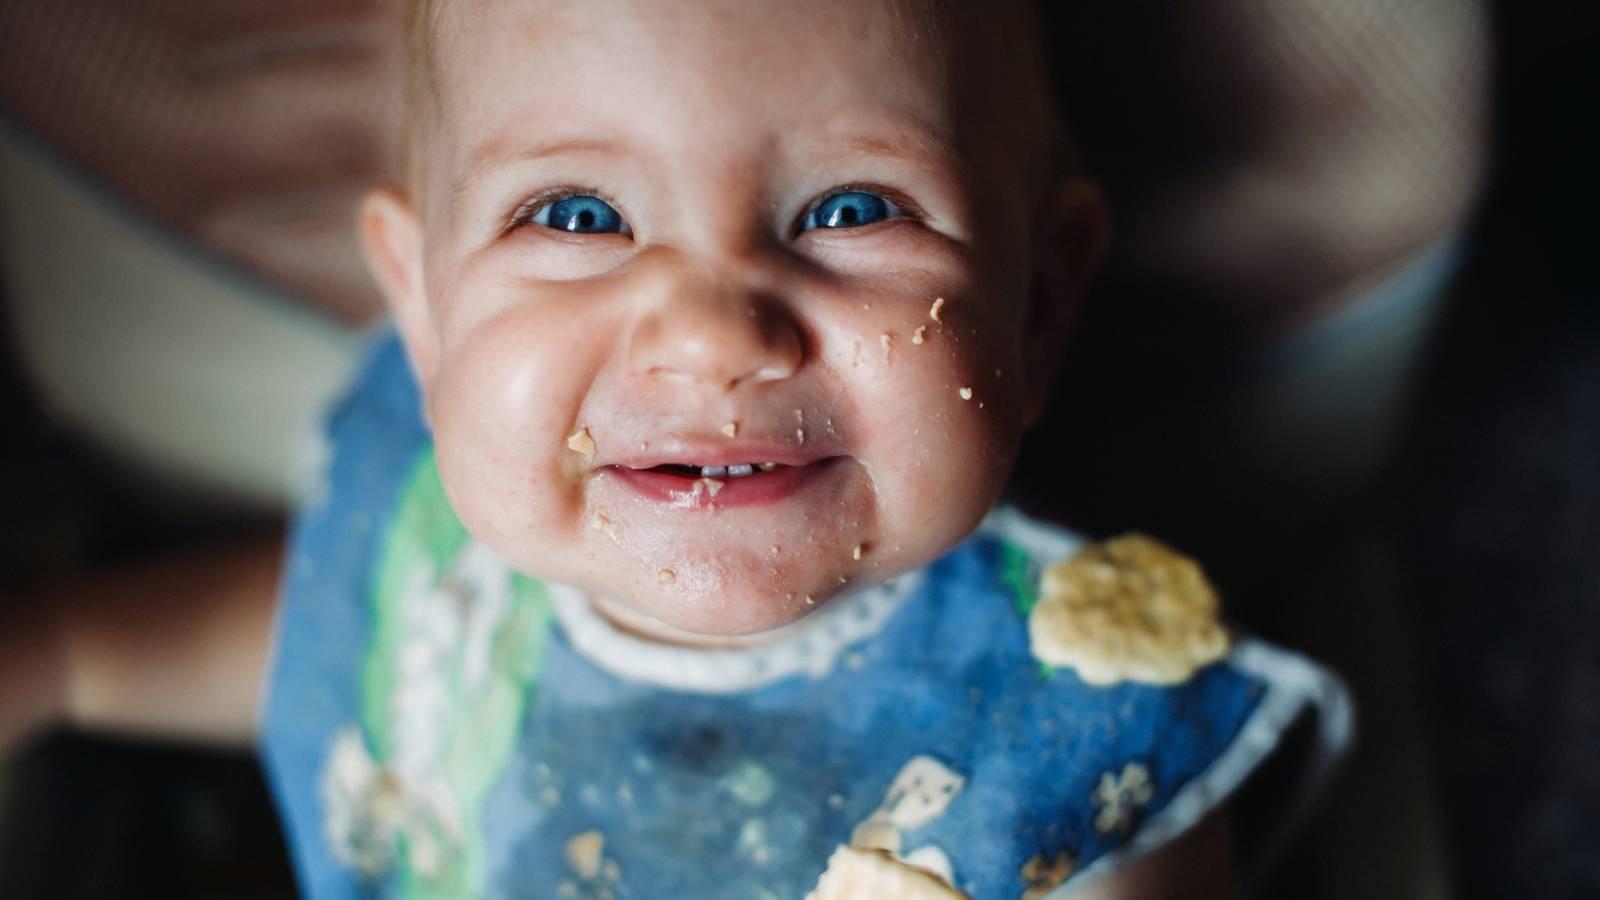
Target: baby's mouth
(741, 470)
(706, 485)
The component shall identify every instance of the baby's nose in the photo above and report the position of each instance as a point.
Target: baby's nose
(716, 335)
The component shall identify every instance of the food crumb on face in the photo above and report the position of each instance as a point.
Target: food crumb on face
(666, 576)
(935, 309)
(810, 601)
(713, 486)
(731, 429)
(800, 435)
(581, 442)
(603, 524)
(887, 340)
(775, 550)
(920, 336)
(856, 552)
(966, 393)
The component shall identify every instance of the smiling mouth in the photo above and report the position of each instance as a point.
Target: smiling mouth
(692, 472)
(682, 484)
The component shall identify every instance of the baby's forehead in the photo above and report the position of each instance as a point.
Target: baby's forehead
(697, 69)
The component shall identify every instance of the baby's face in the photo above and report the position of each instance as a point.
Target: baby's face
(672, 279)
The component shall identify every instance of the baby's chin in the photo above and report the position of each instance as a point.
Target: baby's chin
(690, 607)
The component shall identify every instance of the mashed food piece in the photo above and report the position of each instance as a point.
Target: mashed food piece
(855, 873)
(1129, 609)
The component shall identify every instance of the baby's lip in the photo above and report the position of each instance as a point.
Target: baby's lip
(719, 451)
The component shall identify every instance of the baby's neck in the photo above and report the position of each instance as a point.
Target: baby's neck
(652, 629)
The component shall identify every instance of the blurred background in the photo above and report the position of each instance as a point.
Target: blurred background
(1343, 352)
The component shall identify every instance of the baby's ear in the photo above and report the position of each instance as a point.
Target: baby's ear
(1074, 231)
(391, 240)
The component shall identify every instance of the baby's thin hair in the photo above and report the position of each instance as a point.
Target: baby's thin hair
(421, 89)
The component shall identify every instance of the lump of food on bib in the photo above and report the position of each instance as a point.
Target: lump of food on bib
(1129, 609)
(855, 873)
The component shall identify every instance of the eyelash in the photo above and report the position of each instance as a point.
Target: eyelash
(530, 208)
(909, 208)
(525, 213)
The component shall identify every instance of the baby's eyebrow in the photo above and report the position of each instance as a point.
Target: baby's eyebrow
(910, 144)
(489, 159)
(903, 139)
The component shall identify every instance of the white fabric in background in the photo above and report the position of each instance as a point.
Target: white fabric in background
(202, 383)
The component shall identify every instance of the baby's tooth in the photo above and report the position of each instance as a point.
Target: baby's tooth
(713, 471)
(736, 471)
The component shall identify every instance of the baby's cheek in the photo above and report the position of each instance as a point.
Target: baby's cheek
(940, 458)
(500, 431)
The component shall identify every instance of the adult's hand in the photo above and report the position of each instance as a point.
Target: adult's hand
(251, 126)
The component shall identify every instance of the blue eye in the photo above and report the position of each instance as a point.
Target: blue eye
(582, 214)
(850, 209)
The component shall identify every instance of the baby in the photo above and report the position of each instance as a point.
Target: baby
(659, 553)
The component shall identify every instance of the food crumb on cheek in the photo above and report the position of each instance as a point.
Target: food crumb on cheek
(935, 310)
(800, 435)
(856, 553)
(920, 336)
(666, 576)
(887, 340)
(966, 393)
(581, 442)
(731, 429)
(775, 550)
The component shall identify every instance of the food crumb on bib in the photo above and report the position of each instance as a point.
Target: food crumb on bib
(855, 873)
(1128, 609)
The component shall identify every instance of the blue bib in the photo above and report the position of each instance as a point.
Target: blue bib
(438, 726)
